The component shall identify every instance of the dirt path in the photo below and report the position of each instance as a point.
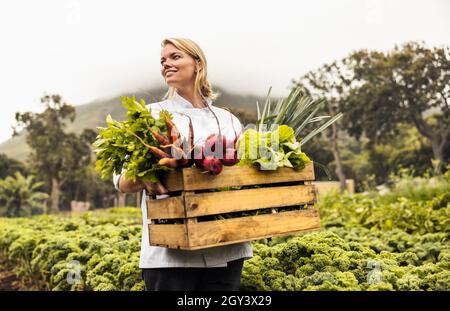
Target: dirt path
(8, 280)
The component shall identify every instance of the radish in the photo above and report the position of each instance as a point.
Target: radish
(213, 165)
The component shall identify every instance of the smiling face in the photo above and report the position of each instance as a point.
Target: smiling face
(177, 67)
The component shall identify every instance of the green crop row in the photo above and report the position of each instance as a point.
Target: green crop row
(327, 261)
(90, 252)
(395, 241)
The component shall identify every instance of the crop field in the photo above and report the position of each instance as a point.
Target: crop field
(395, 241)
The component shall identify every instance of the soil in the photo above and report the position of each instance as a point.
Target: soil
(8, 280)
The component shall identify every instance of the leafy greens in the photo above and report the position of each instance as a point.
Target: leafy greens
(120, 145)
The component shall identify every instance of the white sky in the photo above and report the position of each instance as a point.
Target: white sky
(85, 50)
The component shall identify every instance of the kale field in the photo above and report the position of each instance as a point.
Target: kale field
(397, 240)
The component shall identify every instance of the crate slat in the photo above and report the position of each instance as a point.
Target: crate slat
(191, 179)
(202, 204)
(168, 235)
(241, 229)
(231, 176)
(169, 208)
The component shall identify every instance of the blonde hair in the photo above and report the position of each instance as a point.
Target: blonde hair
(202, 85)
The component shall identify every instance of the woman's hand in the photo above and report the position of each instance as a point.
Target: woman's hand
(153, 188)
(129, 186)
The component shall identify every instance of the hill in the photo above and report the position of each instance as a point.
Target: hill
(93, 114)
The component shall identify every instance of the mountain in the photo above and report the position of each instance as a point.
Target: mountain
(93, 114)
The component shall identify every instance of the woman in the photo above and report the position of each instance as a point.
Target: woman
(184, 69)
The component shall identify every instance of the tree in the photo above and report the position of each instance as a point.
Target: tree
(96, 190)
(369, 162)
(77, 160)
(83, 182)
(329, 82)
(401, 86)
(56, 155)
(9, 166)
(21, 196)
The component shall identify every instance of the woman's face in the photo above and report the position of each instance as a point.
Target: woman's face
(177, 67)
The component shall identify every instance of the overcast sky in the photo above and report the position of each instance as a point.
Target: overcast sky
(85, 50)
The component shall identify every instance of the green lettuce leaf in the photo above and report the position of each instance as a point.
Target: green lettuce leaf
(271, 149)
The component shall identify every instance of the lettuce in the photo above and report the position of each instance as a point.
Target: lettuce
(271, 149)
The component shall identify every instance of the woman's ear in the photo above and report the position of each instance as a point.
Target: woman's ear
(198, 67)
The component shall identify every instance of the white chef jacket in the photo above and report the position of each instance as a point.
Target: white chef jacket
(204, 124)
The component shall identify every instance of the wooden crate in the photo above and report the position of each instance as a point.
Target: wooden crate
(190, 203)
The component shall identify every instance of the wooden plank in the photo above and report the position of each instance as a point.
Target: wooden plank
(173, 180)
(202, 204)
(234, 230)
(169, 208)
(172, 236)
(194, 179)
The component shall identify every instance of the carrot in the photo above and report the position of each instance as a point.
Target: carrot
(162, 139)
(191, 138)
(158, 152)
(174, 134)
(169, 162)
(176, 151)
(191, 134)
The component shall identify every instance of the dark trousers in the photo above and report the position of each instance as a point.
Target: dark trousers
(194, 279)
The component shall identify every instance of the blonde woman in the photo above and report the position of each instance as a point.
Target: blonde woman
(184, 69)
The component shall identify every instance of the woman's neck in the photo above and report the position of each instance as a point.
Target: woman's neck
(193, 97)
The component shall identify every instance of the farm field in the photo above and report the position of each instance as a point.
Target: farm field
(369, 241)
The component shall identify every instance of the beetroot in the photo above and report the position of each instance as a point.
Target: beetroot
(230, 144)
(213, 165)
(216, 152)
(215, 145)
(211, 141)
(230, 157)
(198, 155)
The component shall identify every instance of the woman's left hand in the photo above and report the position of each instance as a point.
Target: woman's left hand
(155, 188)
